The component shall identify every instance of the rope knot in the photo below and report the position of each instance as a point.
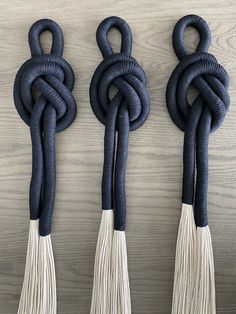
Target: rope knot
(121, 71)
(49, 74)
(200, 70)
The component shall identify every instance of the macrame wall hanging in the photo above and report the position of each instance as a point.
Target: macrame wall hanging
(52, 111)
(194, 283)
(124, 112)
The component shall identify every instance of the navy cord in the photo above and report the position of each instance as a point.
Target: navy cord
(125, 112)
(202, 71)
(52, 111)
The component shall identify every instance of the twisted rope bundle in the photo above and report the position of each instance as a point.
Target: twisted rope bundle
(124, 112)
(202, 71)
(205, 115)
(53, 110)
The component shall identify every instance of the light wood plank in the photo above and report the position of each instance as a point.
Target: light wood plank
(155, 156)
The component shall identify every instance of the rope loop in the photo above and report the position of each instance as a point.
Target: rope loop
(43, 99)
(200, 70)
(178, 35)
(126, 111)
(49, 74)
(57, 37)
(121, 71)
(206, 113)
(102, 35)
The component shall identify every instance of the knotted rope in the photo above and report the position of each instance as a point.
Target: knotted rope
(123, 113)
(202, 71)
(52, 111)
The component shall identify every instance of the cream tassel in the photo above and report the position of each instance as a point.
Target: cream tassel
(29, 293)
(204, 292)
(47, 302)
(120, 290)
(184, 262)
(102, 266)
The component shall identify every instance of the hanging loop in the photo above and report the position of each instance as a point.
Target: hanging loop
(178, 35)
(34, 37)
(102, 35)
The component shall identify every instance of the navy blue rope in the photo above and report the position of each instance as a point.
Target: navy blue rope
(125, 112)
(202, 71)
(52, 111)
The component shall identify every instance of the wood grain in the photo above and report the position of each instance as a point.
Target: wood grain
(155, 156)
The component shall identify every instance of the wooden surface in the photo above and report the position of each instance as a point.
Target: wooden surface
(155, 156)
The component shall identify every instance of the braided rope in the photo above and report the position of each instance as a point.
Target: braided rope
(202, 71)
(125, 112)
(52, 111)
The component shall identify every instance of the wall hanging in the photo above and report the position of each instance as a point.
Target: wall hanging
(194, 283)
(124, 112)
(52, 111)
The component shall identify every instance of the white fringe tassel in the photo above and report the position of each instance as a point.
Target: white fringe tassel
(204, 292)
(29, 294)
(120, 290)
(102, 266)
(47, 302)
(184, 262)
